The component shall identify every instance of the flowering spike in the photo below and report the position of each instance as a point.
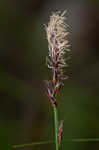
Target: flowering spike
(58, 44)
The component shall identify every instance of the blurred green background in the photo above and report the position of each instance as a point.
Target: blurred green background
(25, 113)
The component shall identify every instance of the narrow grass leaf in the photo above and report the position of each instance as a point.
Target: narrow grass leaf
(64, 141)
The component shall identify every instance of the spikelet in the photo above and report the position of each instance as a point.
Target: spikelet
(58, 45)
(60, 132)
(57, 37)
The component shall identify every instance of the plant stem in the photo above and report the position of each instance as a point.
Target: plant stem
(56, 127)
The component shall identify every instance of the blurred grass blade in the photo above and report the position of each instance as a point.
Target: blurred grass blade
(82, 140)
(32, 144)
(64, 141)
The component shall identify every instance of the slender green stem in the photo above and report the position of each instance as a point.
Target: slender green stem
(56, 127)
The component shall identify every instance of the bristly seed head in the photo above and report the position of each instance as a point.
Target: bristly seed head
(58, 45)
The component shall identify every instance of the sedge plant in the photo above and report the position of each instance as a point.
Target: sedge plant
(57, 37)
(58, 45)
